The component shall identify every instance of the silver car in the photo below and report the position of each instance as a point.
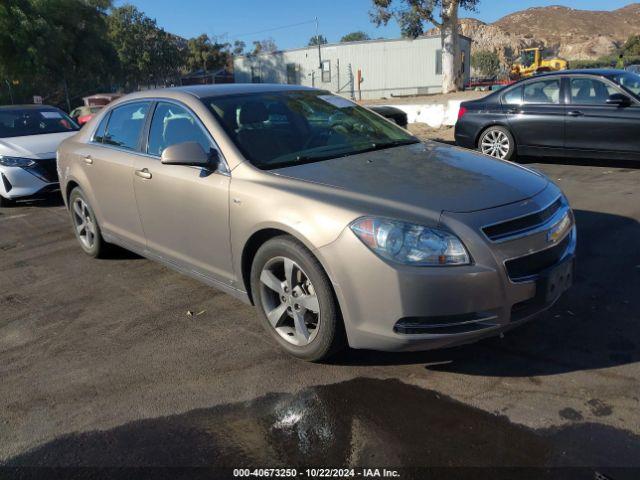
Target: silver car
(339, 226)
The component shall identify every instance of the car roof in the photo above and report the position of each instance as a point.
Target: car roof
(204, 91)
(602, 72)
(29, 106)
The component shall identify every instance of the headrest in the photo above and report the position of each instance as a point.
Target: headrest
(253, 112)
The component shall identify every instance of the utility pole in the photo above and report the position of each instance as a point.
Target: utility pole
(318, 42)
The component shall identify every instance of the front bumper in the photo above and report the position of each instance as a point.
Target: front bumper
(18, 182)
(399, 308)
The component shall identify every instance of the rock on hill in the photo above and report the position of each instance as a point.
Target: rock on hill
(570, 33)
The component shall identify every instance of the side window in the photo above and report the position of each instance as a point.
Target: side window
(513, 97)
(589, 91)
(172, 124)
(438, 62)
(542, 91)
(98, 135)
(125, 124)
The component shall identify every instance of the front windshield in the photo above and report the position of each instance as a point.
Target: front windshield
(34, 121)
(279, 129)
(629, 81)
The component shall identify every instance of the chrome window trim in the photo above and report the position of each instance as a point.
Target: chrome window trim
(223, 168)
(532, 230)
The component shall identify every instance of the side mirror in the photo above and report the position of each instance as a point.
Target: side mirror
(619, 99)
(190, 153)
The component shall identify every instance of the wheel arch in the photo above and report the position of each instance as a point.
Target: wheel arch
(259, 238)
(499, 123)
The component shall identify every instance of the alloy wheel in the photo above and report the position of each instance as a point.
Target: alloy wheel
(84, 223)
(289, 301)
(495, 143)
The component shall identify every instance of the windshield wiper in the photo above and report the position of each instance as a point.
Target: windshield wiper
(391, 144)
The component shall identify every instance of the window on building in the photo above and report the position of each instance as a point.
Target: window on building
(255, 75)
(439, 62)
(292, 74)
(326, 71)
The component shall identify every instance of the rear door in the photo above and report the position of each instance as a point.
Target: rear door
(184, 209)
(536, 115)
(107, 162)
(596, 128)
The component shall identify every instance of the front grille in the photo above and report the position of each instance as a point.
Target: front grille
(45, 169)
(521, 225)
(531, 265)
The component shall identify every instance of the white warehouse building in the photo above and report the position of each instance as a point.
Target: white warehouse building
(387, 68)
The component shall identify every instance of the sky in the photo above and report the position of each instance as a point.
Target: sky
(291, 22)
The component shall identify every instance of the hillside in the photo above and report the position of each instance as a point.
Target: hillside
(570, 33)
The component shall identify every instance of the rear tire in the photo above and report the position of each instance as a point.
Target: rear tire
(290, 287)
(85, 225)
(497, 142)
(5, 202)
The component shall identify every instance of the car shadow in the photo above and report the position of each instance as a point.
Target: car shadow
(595, 324)
(582, 162)
(44, 200)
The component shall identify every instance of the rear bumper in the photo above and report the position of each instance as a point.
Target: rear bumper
(398, 308)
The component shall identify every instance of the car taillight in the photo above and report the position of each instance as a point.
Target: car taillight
(461, 112)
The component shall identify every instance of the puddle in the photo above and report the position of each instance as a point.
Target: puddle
(363, 422)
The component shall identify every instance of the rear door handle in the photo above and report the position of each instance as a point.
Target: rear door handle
(144, 173)
(513, 111)
(575, 113)
(88, 160)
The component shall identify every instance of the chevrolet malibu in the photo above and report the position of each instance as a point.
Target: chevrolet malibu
(339, 226)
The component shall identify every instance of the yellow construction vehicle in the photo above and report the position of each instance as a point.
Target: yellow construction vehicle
(531, 63)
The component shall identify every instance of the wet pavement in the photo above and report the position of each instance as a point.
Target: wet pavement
(362, 422)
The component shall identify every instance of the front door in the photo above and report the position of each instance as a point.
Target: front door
(595, 127)
(184, 209)
(537, 120)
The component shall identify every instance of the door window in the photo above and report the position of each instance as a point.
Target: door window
(125, 124)
(172, 124)
(589, 91)
(542, 92)
(513, 97)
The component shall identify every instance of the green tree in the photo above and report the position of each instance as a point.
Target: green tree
(317, 40)
(414, 15)
(355, 37)
(146, 53)
(631, 47)
(486, 62)
(203, 53)
(54, 47)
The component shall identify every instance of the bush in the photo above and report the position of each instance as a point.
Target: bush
(485, 62)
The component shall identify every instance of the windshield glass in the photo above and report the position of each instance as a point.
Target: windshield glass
(279, 129)
(629, 81)
(34, 121)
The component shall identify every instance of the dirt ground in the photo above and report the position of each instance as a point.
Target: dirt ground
(426, 99)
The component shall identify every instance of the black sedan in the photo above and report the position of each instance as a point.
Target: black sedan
(586, 113)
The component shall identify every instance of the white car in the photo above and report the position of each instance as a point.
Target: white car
(29, 138)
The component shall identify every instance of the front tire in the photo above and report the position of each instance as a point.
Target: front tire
(295, 300)
(497, 142)
(5, 202)
(85, 225)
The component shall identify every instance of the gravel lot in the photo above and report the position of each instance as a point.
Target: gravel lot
(101, 365)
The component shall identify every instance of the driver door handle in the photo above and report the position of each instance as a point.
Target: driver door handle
(575, 113)
(88, 160)
(144, 173)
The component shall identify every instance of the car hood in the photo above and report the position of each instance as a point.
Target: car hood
(33, 146)
(427, 175)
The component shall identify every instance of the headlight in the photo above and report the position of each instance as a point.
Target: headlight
(410, 244)
(16, 161)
